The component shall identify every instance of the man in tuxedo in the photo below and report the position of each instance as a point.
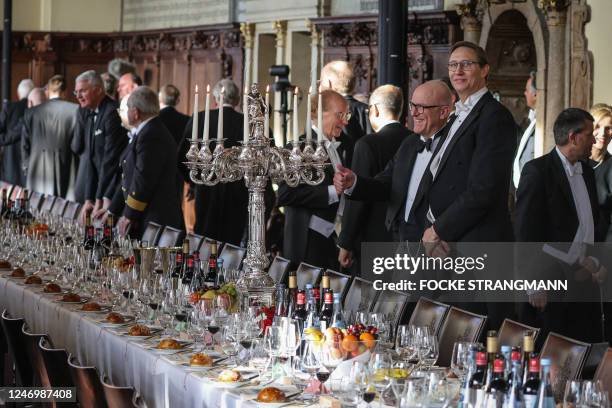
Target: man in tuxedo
(10, 134)
(401, 182)
(175, 121)
(557, 203)
(525, 149)
(149, 183)
(363, 221)
(47, 133)
(105, 140)
(127, 83)
(311, 211)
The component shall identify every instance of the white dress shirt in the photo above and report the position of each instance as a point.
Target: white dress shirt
(516, 167)
(420, 165)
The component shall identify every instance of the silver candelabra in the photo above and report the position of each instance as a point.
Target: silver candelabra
(256, 161)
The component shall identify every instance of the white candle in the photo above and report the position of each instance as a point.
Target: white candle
(245, 109)
(320, 115)
(294, 118)
(220, 122)
(194, 129)
(207, 116)
(309, 117)
(267, 117)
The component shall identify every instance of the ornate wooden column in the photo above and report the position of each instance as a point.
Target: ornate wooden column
(248, 31)
(471, 21)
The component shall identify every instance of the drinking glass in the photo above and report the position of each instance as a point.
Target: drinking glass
(432, 351)
(311, 362)
(414, 394)
(380, 372)
(230, 343)
(459, 361)
(572, 397)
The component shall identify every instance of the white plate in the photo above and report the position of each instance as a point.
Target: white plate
(103, 322)
(104, 309)
(83, 300)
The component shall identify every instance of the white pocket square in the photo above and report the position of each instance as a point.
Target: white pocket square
(98, 132)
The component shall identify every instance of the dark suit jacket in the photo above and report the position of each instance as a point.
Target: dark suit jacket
(175, 121)
(603, 181)
(47, 134)
(149, 181)
(359, 125)
(80, 147)
(10, 139)
(106, 140)
(365, 221)
(469, 194)
(302, 202)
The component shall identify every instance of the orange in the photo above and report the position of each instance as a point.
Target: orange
(368, 339)
(350, 342)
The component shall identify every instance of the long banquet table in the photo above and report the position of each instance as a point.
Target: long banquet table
(159, 381)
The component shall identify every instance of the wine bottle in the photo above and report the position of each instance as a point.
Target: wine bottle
(532, 383)
(338, 316)
(327, 311)
(514, 398)
(506, 351)
(528, 348)
(26, 217)
(187, 278)
(312, 314)
(198, 277)
(5, 204)
(546, 397)
(292, 293)
(324, 287)
(491, 354)
(211, 275)
(515, 356)
(280, 307)
(496, 391)
(316, 294)
(88, 236)
(299, 313)
(175, 276)
(107, 237)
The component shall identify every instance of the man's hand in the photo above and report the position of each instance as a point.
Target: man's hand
(97, 214)
(87, 208)
(345, 257)
(538, 300)
(103, 217)
(434, 246)
(601, 275)
(343, 179)
(123, 226)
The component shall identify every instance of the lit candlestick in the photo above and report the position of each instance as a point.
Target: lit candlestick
(267, 117)
(309, 117)
(245, 108)
(207, 116)
(294, 118)
(320, 115)
(220, 122)
(194, 129)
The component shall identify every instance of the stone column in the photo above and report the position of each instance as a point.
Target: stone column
(471, 21)
(280, 27)
(315, 36)
(247, 31)
(556, 16)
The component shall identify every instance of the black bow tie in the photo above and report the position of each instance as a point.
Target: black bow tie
(424, 145)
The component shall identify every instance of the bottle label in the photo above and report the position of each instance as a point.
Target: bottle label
(301, 298)
(481, 358)
(498, 365)
(329, 298)
(179, 258)
(316, 293)
(534, 365)
(515, 356)
(190, 262)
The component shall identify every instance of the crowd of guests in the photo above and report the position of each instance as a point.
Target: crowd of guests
(446, 180)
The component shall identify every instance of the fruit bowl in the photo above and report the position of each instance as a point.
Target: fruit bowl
(349, 343)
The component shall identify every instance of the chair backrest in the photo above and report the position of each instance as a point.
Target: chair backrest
(118, 397)
(31, 340)
(279, 268)
(47, 204)
(597, 351)
(429, 313)
(205, 248)
(392, 303)
(339, 282)
(195, 241)
(511, 333)
(72, 211)
(59, 206)
(567, 356)
(459, 325)
(604, 371)
(35, 200)
(17, 349)
(170, 237)
(232, 256)
(56, 363)
(88, 385)
(15, 192)
(151, 233)
(360, 296)
(307, 273)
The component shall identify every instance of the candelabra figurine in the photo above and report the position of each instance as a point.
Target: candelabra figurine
(256, 161)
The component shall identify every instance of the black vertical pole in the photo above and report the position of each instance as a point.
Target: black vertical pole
(392, 32)
(6, 52)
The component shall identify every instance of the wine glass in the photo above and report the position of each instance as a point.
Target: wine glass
(332, 354)
(380, 371)
(459, 361)
(431, 351)
(230, 343)
(572, 397)
(311, 362)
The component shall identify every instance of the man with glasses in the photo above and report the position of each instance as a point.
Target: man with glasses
(104, 140)
(311, 211)
(401, 182)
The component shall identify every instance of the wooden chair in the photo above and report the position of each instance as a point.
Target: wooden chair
(459, 325)
(392, 303)
(17, 350)
(35, 200)
(597, 352)
(88, 385)
(307, 273)
(56, 364)
(429, 313)
(279, 268)
(15, 192)
(31, 340)
(604, 371)
(232, 256)
(360, 296)
(567, 356)
(119, 397)
(339, 282)
(151, 234)
(72, 211)
(195, 241)
(47, 204)
(511, 333)
(170, 237)
(59, 206)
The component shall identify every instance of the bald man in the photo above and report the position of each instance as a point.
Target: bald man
(311, 211)
(400, 181)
